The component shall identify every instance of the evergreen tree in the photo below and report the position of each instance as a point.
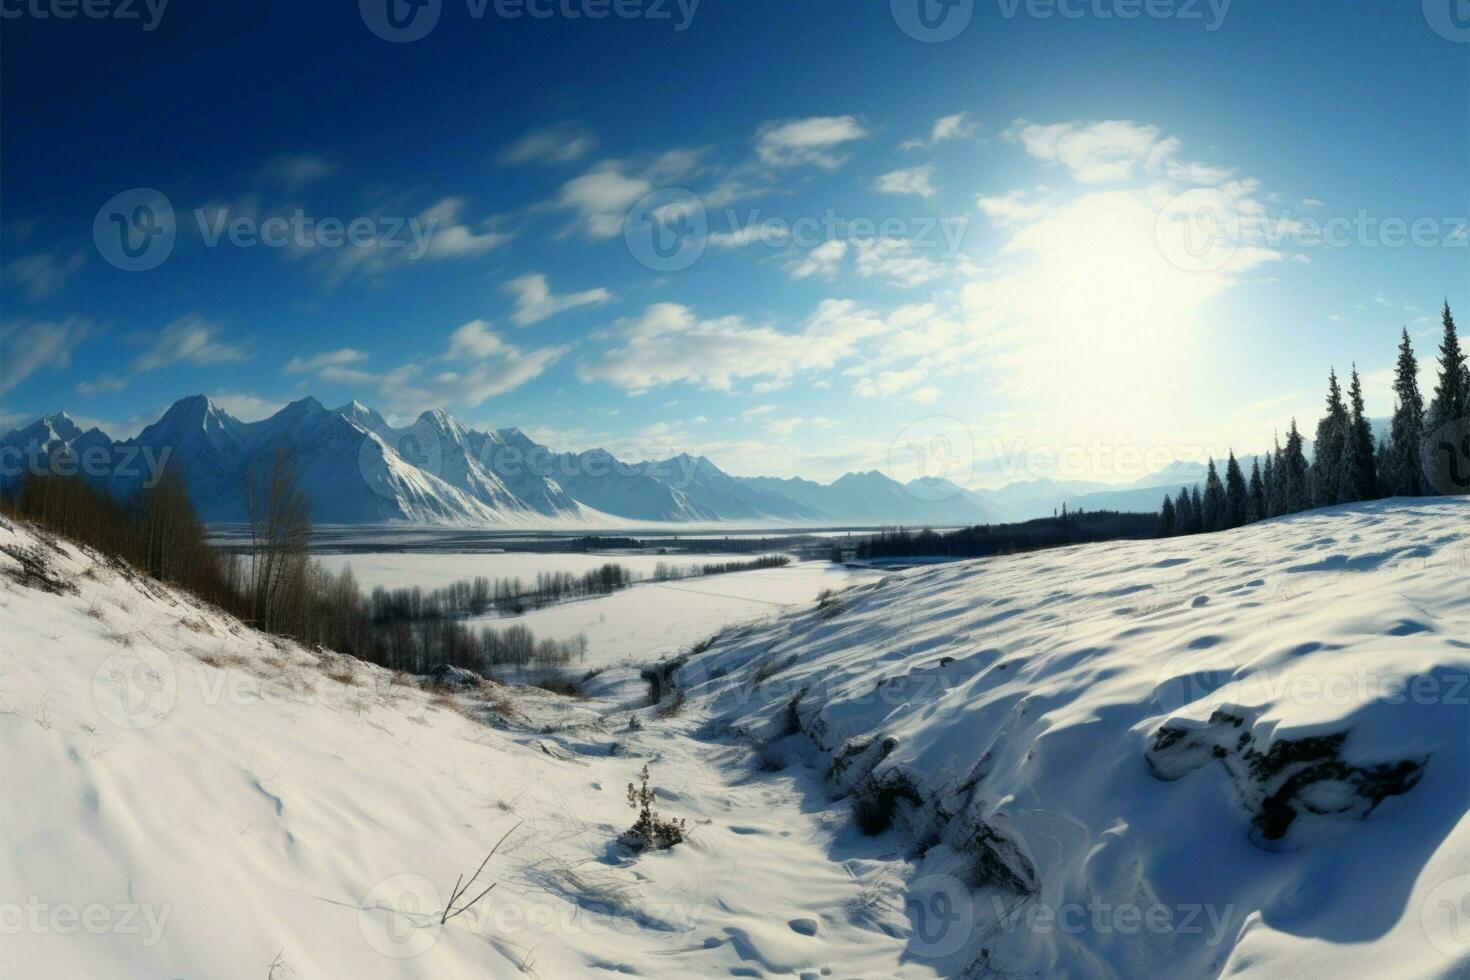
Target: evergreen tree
(1214, 516)
(1359, 479)
(1332, 436)
(1237, 497)
(1184, 512)
(1452, 394)
(1167, 522)
(1293, 473)
(1258, 506)
(1275, 482)
(1403, 471)
(1197, 510)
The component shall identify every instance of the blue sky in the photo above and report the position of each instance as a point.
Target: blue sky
(1052, 244)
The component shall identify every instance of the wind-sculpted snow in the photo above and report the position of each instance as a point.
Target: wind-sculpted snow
(1242, 754)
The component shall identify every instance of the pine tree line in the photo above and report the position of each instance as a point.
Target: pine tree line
(1347, 465)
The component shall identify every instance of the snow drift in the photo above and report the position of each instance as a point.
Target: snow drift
(1242, 754)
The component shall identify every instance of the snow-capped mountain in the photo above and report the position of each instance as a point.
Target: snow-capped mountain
(357, 467)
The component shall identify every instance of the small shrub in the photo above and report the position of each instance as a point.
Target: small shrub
(829, 604)
(558, 684)
(650, 830)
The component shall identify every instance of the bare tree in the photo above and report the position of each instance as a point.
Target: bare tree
(279, 516)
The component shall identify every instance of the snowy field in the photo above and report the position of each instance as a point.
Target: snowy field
(659, 620)
(1243, 755)
(433, 570)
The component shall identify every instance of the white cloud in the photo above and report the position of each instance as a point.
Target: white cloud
(104, 383)
(817, 141)
(822, 261)
(784, 427)
(889, 383)
(42, 274)
(1007, 209)
(926, 395)
(562, 143)
(485, 365)
(669, 344)
(1110, 151)
(334, 358)
(915, 180)
(294, 171)
(535, 301)
(190, 340)
(601, 198)
(442, 235)
(898, 261)
(30, 346)
(246, 407)
(474, 340)
(955, 127)
(449, 238)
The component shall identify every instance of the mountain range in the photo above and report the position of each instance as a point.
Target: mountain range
(357, 468)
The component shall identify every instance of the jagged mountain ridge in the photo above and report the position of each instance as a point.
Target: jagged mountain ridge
(357, 468)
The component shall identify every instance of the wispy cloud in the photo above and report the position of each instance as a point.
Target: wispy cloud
(34, 345)
(561, 143)
(669, 344)
(483, 364)
(822, 262)
(536, 302)
(332, 358)
(295, 171)
(818, 141)
(913, 180)
(190, 340)
(44, 273)
(958, 126)
(1110, 151)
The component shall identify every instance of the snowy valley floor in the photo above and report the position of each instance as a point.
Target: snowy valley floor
(1244, 754)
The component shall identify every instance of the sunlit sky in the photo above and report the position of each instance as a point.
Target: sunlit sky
(1068, 242)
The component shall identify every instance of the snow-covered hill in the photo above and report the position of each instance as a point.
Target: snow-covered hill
(1244, 754)
(1241, 754)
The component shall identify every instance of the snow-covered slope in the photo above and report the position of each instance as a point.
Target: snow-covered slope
(185, 797)
(1243, 754)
